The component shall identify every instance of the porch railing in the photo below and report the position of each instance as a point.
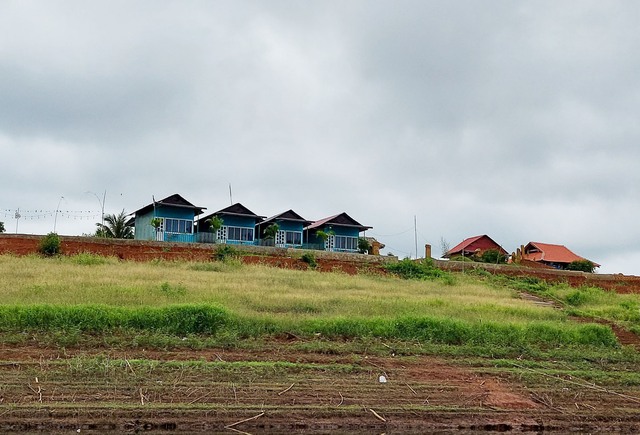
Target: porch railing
(179, 237)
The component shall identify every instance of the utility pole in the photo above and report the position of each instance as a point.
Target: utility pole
(415, 231)
(104, 197)
(55, 219)
(17, 216)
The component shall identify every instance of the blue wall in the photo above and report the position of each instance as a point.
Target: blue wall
(337, 229)
(144, 230)
(345, 231)
(290, 226)
(238, 221)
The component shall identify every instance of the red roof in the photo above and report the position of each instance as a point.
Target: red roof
(465, 243)
(340, 219)
(321, 222)
(549, 253)
(483, 243)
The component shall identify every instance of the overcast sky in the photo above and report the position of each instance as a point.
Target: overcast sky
(514, 119)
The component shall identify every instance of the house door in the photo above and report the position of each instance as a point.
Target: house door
(222, 235)
(330, 243)
(160, 231)
(281, 238)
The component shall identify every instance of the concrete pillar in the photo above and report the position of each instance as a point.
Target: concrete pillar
(427, 251)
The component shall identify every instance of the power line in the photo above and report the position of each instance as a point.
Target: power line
(37, 214)
(390, 235)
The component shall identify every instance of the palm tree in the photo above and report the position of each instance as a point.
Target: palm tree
(115, 227)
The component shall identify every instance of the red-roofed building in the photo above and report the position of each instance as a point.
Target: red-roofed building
(474, 246)
(557, 256)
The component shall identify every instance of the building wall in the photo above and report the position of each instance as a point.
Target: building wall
(238, 221)
(345, 231)
(145, 231)
(290, 226)
(336, 229)
(143, 228)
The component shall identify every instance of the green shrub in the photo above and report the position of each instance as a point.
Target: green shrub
(308, 258)
(582, 266)
(226, 252)
(50, 245)
(576, 298)
(88, 259)
(493, 256)
(173, 290)
(456, 332)
(462, 258)
(416, 269)
(528, 283)
(174, 319)
(363, 245)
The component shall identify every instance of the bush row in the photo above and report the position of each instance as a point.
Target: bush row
(207, 319)
(176, 319)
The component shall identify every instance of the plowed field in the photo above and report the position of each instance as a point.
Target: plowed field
(280, 389)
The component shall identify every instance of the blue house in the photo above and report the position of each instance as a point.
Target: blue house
(290, 230)
(342, 233)
(238, 226)
(174, 216)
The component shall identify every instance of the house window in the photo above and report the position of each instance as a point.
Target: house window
(293, 238)
(239, 233)
(345, 243)
(178, 226)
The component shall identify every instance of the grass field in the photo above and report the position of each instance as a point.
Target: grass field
(91, 293)
(173, 342)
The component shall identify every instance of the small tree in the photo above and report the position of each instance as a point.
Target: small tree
(156, 222)
(363, 245)
(324, 235)
(50, 245)
(493, 256)
(310, 260)
(2, 230)
(582, 266)
(271, 231)
(215, 223)
(444, 246)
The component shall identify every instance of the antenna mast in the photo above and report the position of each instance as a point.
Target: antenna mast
(415, 231)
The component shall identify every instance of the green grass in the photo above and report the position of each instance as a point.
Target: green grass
(585, 301)
(87, 294)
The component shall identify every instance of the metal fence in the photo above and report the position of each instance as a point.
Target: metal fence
(211, 238)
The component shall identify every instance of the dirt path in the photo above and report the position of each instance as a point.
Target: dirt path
(626, 338)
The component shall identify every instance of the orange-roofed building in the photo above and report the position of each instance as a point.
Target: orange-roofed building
(557, 256)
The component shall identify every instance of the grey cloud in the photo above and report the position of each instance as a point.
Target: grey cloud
(512, 119)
